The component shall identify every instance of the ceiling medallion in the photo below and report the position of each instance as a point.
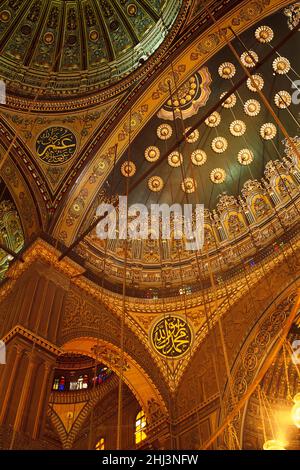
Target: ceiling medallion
(245, 157)
(237, 128)
(264, 34)
(155, 184)
(218, 176)
(48, 38)
(230, 102)
(152, 154)
(189, 97)
(281, 65)
(249, 59)
(252, 108)
(227, 70)
(5, 16)
(175, 159)
(283, 99)
(164, 131)
(128, 169)
(94, 35)
(259, 81)
(198, 157)
(26, 30)
(132, 9)
(171, 337)
(189, 185)
(193, 137)
(219, 145)
(268, 131)
(213, 120)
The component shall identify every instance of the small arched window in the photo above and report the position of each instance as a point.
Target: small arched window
(140, 427)
(100, 444)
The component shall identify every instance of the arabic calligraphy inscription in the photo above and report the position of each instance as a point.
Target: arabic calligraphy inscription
(56, 145)
(171, 337)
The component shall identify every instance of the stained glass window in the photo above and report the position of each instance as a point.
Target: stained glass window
(55, 384)
(140, 427)
(61, 385)
(100, 444)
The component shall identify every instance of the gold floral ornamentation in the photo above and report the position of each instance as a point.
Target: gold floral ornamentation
(281, 65)
(164, 131)
(268, 131)
(193, 137)
(189, 185)
(219, 145)
(227, 70)
(199, 157)
(237, 128)
(283, 99)
(155, 184)
(175, 159)
(230, 102)
(249, 59)
(264, 34)
(218, 176)
(152, 154)
(252, 108)
(245, 157)
(128, 169)
(259, 81)
(213, 120)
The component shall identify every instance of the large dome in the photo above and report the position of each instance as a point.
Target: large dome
(68, 47)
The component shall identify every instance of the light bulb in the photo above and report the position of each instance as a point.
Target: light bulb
(273, 445)
(296, 411)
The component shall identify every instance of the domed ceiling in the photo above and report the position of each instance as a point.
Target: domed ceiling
(233, 163)
(85, 44)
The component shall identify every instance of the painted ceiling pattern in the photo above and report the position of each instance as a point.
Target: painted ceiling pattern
(238, 162)
(102, 39)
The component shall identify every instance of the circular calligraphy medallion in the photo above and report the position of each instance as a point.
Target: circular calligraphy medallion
(171, 337)
(56, 145)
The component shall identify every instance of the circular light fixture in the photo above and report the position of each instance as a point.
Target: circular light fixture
(252, 108)
(218, 176)
(281, 65)
(283, 99)
(264, 34)
(155, 184)
(213, 120)
(249, 59)
(198, 157)
(230, 102)
(237, 128)
(175, 159)
(227, 70)
(164, 131)
(268, 131)
(259, 81)
(128, 169)
(219, 145)
(245, 157)
(152, 154)
(189, 185)
(5, 16)
(193, 137)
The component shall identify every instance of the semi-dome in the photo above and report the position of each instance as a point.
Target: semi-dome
(66, 47)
